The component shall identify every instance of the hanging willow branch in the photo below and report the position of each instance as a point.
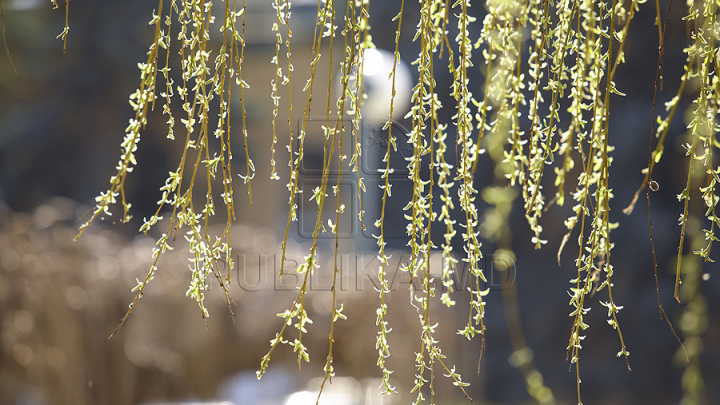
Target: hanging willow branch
(536, 56)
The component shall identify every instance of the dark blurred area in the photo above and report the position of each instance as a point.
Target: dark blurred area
(61, 123)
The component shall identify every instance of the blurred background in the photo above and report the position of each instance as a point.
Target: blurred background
(61, 122)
